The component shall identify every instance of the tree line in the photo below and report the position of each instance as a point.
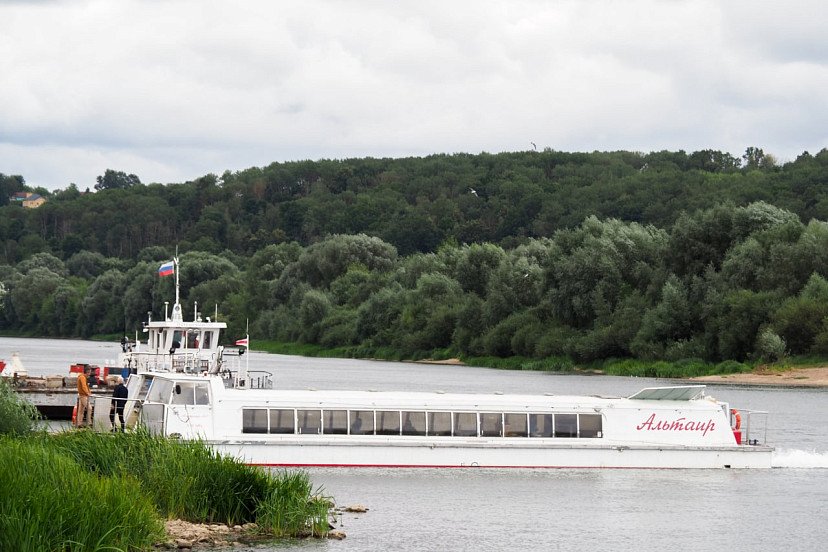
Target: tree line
(721, 283)
(673, 256)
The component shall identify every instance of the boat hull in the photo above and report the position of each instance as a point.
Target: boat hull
(415, 453)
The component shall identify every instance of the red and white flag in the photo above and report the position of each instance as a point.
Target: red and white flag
(244, 342)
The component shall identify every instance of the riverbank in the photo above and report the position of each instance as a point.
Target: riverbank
(813, 376)
(816, 376)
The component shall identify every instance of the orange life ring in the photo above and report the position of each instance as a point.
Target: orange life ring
(736, 416)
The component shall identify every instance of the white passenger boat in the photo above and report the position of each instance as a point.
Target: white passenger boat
(183, 385)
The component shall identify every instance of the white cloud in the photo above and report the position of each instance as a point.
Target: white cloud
(173, 90)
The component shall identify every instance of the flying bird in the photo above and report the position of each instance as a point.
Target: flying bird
(472, 191)
(534, 146)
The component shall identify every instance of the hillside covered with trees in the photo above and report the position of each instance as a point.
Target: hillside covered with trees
(666, 255)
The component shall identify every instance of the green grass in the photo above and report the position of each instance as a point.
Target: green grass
(81, 490)
(188, 480)
(52, 502)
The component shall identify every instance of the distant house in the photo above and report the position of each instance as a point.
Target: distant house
(28, 199)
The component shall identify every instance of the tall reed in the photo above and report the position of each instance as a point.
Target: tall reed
(17, 416)
(51, 502)
(188, 480)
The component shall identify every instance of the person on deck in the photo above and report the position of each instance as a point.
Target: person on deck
(119, 397)
(83, 417)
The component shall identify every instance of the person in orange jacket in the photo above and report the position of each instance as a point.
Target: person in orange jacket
(84, 415)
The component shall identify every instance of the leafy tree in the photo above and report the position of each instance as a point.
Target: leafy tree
(114, 180)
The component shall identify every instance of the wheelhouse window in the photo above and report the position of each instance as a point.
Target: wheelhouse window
(160, 391)
(439, 423)
(184, 393)
(335, 422)
(362, 422)
(465, 424)
(414, 423)
(491, 424)
(281, 421)
(254, 420)
(514, 425)
(566, 425)
(309, 422)
(589, 426)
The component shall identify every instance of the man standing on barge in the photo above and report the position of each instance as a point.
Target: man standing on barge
(83, 417)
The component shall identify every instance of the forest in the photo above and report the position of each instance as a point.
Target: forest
(538, 254)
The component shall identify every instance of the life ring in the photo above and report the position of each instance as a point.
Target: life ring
(737, 417)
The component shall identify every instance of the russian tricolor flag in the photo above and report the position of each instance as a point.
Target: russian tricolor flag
(167, 269)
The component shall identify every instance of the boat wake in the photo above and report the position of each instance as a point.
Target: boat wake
(792, 458)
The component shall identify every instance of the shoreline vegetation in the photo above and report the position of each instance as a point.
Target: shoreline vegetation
(794, 371)
(81, 490)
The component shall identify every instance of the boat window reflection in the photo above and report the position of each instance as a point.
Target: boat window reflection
(282, 421)
(439, 423)
(388, 422)
(414, 423)
(491, 424)
(465, 424)
(566, 425)
(254, 420)
(335, 422)
(309, 421)
(514, 425)
(362, 422)
(160, 391)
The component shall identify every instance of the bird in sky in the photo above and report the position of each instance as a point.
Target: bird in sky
(534, 146)
(472, 191)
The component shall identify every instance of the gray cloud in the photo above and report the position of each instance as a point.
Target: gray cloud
(173, 90)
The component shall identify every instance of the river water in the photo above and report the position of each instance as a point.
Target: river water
(479, 509)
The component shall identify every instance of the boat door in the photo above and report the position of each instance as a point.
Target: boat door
(189, 413)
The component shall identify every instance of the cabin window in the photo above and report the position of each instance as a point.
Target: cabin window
(566, 425)
(176, 342)
(540, 425)
(309, 421)
(254, 420)
(335, 422)
(207, 339)
(281, 420)
(202, 394)
(145, 386)
(362, 422)
(589, 425)
(465, 424)
(439, 423)
(192, 340)
(514, 425)
(388, 422)
(160, 391)
(491, 424)
(414, 423)
(184, 393)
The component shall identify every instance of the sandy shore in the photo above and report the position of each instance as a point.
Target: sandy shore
(795, 377)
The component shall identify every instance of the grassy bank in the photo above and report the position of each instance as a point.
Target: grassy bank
(80, 490)
(680, 369)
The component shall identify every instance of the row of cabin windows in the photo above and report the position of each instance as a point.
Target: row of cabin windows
(395, 422)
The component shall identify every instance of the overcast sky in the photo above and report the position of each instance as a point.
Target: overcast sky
(171, 90)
